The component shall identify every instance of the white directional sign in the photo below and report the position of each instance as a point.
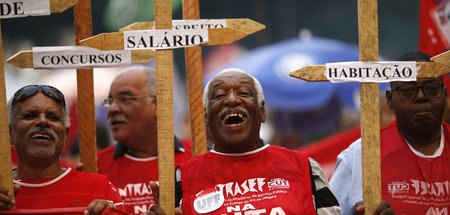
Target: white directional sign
(78, 57)
(376, 72)
(163, 39)
(22, 8)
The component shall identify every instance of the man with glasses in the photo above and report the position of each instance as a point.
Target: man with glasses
(39, 125)
(415, 152)
(132, 162)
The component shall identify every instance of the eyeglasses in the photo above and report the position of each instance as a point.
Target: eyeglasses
(30, 90)
(123, 100)
(430, 91)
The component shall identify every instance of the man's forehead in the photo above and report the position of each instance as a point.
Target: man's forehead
(37, 101)
(128, 83)
(419, 81)
(232, 77)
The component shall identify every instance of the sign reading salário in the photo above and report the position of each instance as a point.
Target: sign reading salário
(377, 72)
(76, 57)
(163, 39)
(23, 8)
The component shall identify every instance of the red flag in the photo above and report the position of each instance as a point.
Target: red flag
(434, 26)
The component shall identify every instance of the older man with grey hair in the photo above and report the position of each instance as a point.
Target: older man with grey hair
(242, 174)
(132, 162)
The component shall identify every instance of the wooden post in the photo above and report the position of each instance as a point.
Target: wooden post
(370, 107)
(85, 89)
(5, 146)
(164, 99)
(236, 29)
(370, 103)
(194, 73)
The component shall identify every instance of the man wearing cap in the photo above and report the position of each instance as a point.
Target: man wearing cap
(39, 124)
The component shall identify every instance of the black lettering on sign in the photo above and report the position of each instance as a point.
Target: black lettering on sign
(11, 9)
(81, 59)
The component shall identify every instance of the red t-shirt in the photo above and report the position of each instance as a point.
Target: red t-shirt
(75, 189)
(414, 184)
(132, 175)
(269, 180)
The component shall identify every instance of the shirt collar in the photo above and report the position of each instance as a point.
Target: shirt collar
(120, 149)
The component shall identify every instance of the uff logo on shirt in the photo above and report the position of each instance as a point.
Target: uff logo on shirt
(208, 200)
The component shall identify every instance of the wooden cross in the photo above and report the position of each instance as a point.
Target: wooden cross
(370, 111)
(6, 178)
(235, 30)
(193, 55)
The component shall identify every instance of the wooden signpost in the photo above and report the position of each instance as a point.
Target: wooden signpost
(194, 68)
(194, 75)
(17, 9)
(370, 112)
(85, 91)
(235, 29)
(163, 39)
(164, 99)
(24, 59)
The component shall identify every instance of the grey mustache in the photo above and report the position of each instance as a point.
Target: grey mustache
(117, 119)
(43, 130)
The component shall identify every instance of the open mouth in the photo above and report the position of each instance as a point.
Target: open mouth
(41, 137)
(234, 118)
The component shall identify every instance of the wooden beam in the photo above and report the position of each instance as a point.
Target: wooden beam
(85, 88)
(6, 177)
(218, 36)
(194, 74)
(58, 6)
(370, 107)
(24, 59)
(164, 86)
(443, 58)
(316, 72)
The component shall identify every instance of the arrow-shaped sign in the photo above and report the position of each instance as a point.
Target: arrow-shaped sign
(235, 29)
(443, 58)
(316, 72)
(23, 8)
(51, 59)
